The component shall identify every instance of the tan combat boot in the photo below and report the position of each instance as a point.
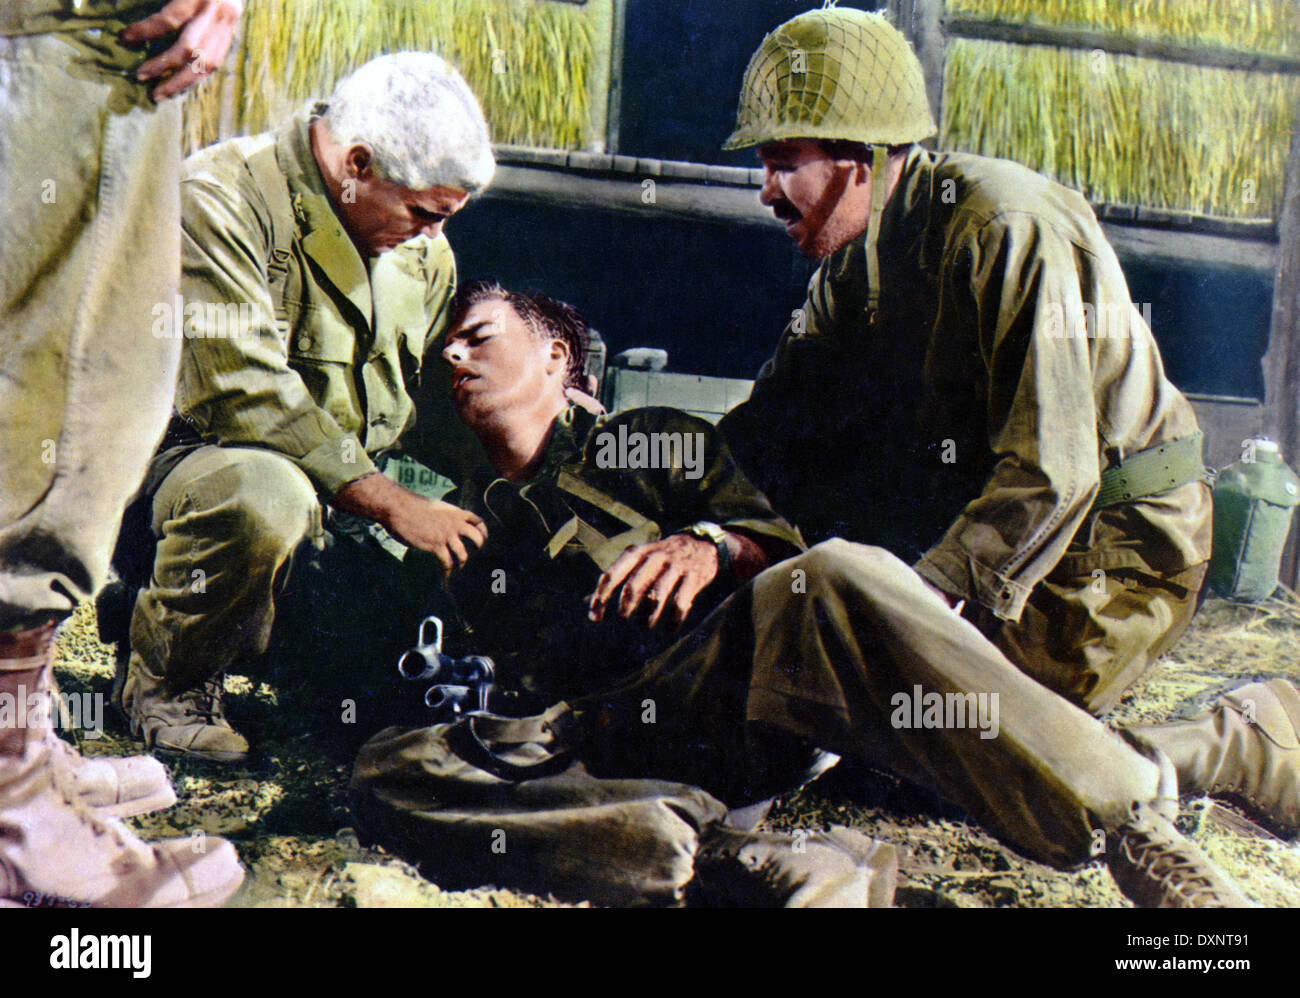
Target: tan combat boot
(190, 723)
(116, 787)
(1154, 864)
(1245, 749)
(54, 849)
(840, 868)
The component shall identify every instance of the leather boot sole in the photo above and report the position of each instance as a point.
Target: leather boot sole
(177, 754)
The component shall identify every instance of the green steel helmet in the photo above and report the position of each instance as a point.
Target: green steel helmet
(833, 74)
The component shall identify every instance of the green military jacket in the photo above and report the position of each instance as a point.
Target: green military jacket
(318, 363)
(26, 17)
(965, 423)
(521, 597)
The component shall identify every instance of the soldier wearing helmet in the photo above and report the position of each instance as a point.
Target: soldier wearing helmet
(973, 387)
(970, 386)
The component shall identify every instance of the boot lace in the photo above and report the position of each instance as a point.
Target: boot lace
(63, 778)
(1177, 872)
(205, 702)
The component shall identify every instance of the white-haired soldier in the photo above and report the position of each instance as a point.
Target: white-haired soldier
(316, 276)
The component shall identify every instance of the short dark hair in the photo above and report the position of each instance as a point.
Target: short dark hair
(546, 316)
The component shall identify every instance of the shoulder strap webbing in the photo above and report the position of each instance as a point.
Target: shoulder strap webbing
(604, 551)
(567, 482)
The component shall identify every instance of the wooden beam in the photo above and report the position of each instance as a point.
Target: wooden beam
(1260, 229)
(614, 114)
(731, 194)
(1282, 361)
(684, 198)
(921, 22)
(1180, 247)
(1082, 38)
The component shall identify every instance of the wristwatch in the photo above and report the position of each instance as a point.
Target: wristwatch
(712, 532)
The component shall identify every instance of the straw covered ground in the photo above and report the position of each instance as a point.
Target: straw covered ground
(291, 826)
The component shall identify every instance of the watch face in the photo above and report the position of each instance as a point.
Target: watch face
(710, 531)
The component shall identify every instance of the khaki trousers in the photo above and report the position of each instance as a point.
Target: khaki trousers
(228, 522)
(841, 648)
(490, 800)
(844, 648)
(245, 555)
(90, 218)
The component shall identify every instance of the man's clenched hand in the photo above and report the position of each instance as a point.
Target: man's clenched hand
(439, 528)
(205, 29)
(664, 573)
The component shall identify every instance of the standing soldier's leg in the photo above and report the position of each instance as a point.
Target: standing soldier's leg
(91, 216)
(91, 221)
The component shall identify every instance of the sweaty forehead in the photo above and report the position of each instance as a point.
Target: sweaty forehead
(496, 313)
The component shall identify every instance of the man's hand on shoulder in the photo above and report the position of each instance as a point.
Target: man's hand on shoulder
(586, 399)
(664, 574)
(439, 528)
(204, 29)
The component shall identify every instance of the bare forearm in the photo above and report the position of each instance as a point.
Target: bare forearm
(372, 496)
(439, 528)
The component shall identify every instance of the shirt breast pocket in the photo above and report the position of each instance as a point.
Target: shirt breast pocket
(323, 353)
(315, 339)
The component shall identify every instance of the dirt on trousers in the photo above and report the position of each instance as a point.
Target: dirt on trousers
(290, 823)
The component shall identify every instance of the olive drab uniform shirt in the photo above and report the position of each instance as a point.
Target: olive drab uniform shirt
(30, 17)
(965, 425)
(521, 597)
(292, 341)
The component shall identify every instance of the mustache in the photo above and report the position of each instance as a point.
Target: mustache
(786, 211)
